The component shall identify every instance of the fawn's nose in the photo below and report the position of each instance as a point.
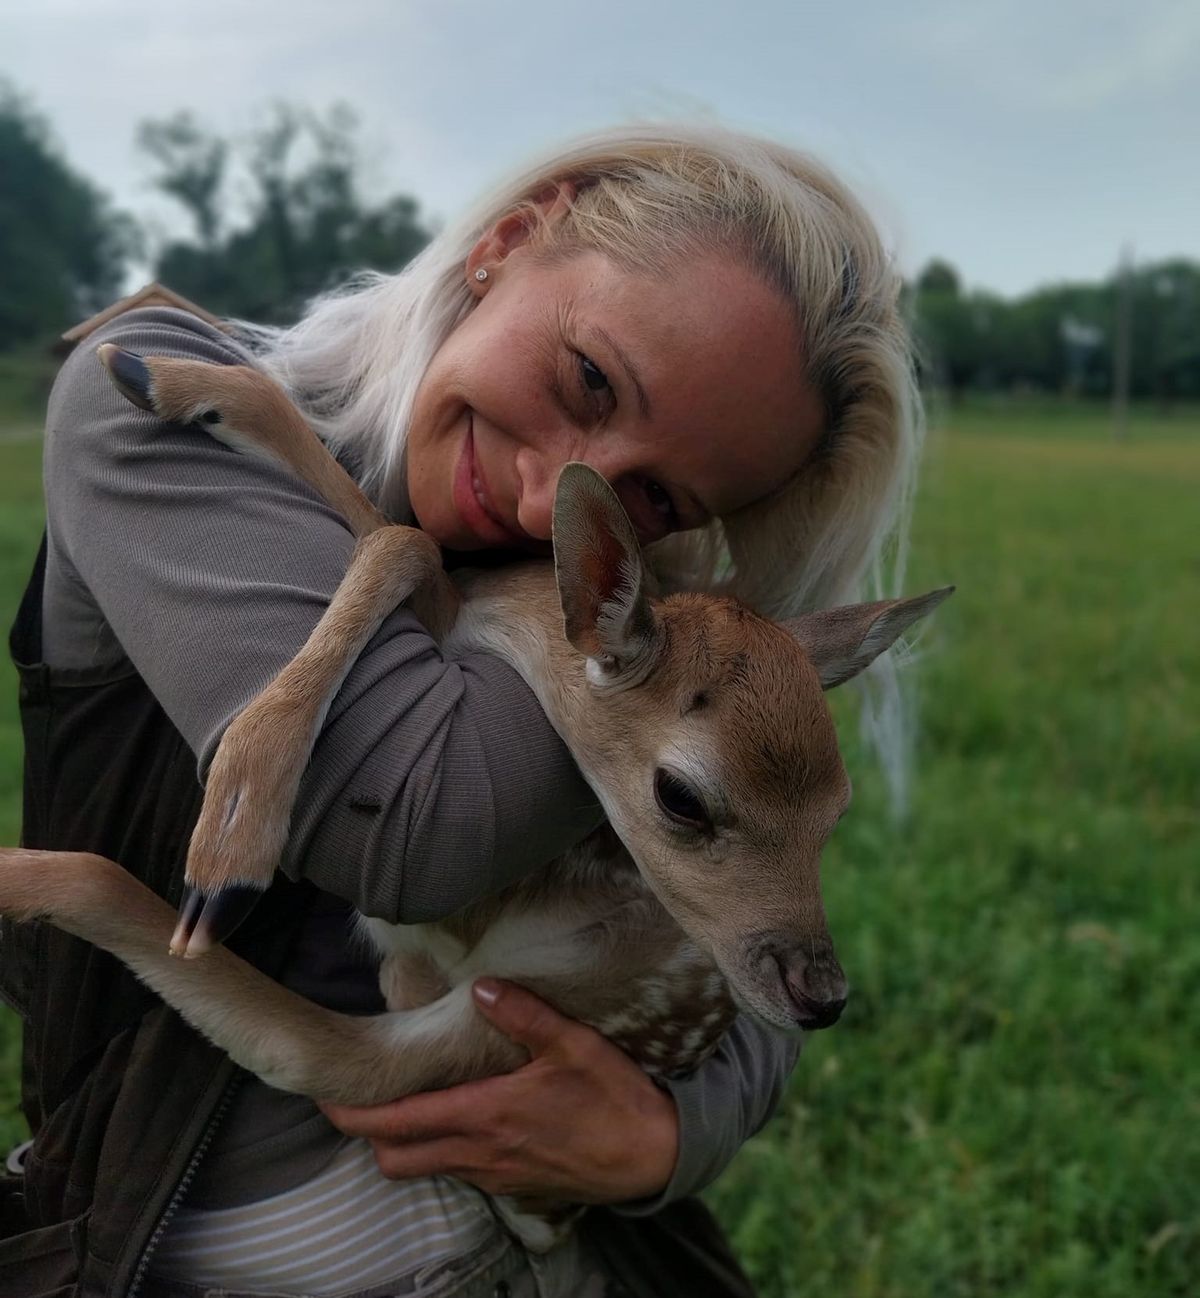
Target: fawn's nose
(816, 987)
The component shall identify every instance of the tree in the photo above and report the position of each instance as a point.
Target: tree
(191, 168)
(1166, 331)
(306, 226)
(939, 277)
(62, 247)
(1060, 338)
(947, 326)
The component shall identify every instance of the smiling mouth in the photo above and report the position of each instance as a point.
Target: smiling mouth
(471, 498)
(481, 496)
(478, 510)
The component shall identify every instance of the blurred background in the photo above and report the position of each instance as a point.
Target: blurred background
(1011, 1104)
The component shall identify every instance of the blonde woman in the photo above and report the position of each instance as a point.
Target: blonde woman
(709, 320)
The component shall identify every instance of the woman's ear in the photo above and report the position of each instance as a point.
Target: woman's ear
(514, 230)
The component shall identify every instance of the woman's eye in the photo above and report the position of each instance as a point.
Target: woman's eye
(659, 498)
(594, 378)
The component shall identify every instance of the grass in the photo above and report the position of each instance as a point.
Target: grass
(25, 379)
(1010, 1104)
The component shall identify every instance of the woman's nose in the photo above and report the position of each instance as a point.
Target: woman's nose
(538, 468)
(537, 476)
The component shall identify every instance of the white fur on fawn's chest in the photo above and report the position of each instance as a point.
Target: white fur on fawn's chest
(600, 947)
(550, 942)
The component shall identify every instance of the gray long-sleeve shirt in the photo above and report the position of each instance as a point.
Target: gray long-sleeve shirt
(433, 783)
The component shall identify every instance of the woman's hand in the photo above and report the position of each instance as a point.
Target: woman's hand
(580, 1121)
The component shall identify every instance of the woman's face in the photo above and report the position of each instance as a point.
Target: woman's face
(685, 391)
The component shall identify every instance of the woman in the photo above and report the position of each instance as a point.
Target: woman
(711, 322)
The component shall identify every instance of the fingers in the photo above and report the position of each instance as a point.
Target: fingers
(527, 1019)
(579, 1121)
(449, 1157)
(207, 920)
(460, 1132)
(430, 1115)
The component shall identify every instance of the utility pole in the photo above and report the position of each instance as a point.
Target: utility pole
(1123, 346)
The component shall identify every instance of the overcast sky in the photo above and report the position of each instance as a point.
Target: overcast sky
(1025, 140)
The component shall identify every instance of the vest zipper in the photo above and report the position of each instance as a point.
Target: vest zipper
(185, 1181)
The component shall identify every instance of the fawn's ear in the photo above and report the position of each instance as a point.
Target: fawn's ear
(602, 579)
(842, 641)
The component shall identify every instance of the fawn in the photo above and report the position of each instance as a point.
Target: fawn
(700, 725)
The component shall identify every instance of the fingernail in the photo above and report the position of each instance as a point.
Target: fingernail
(487, 990)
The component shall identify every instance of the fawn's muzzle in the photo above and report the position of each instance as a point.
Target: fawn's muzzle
(816, 987)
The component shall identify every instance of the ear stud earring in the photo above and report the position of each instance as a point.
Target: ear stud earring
(481, 274)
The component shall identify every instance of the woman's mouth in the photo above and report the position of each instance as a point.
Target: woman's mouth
(474, 502)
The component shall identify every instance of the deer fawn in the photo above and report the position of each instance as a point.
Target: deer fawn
(700, 725)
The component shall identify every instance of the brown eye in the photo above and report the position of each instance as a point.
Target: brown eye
(679, 801)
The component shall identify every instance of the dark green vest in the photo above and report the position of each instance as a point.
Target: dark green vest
(119, 1092)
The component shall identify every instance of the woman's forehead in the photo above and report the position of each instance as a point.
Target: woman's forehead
(718, 354)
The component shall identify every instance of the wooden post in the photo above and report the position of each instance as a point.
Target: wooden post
(1123, 346)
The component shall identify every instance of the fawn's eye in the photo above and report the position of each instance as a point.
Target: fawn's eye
(680, 802)
(210, 417)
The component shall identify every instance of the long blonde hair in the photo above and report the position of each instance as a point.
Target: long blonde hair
(645, 195)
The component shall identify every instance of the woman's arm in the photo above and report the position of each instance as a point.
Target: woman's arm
(433, 782)
(728, 1099)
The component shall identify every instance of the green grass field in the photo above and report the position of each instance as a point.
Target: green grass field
(1011, 1104)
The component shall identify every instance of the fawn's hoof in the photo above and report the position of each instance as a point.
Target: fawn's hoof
(207, 920)
(129, 373)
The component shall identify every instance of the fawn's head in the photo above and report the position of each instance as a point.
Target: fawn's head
(705, 732)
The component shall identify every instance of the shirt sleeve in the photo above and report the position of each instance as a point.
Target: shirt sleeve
(433, 783)
(721, 1105)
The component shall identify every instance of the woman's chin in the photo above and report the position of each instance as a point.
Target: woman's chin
(447, 529)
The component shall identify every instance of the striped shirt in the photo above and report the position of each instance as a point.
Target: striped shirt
(346, 1229)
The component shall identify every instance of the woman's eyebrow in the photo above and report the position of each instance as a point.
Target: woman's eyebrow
(627, 365)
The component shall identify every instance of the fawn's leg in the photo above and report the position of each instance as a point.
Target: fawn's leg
(255, 775)
(249, 412)
(246, 410)
(286, 1040)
